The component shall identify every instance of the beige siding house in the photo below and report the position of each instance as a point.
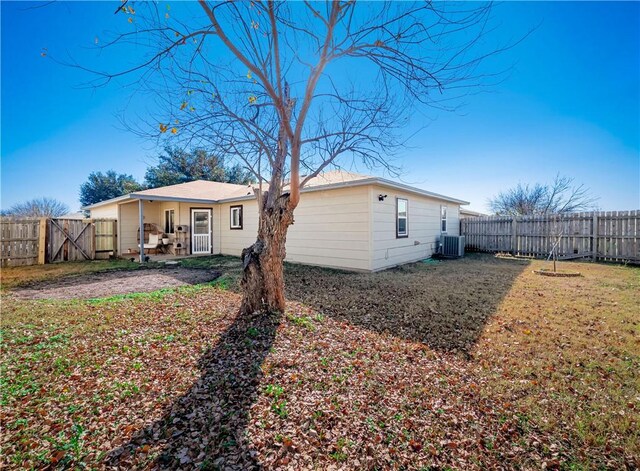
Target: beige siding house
(344, 220)
(467, 213)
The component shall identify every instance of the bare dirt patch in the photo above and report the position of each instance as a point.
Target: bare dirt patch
(104, 284)
(443, 304)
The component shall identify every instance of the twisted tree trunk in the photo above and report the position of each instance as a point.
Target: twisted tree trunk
(263, 277)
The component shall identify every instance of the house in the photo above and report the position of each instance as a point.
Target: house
(344, 220)
(76, 215)
(467, 213)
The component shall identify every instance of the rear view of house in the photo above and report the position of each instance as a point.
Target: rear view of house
(344, 220)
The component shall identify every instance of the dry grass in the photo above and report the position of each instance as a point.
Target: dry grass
(536, 371)
(567, 351)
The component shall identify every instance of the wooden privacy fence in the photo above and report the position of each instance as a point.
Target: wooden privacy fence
(106, 231)
(38, 241)
(20, 241)
(604, 235)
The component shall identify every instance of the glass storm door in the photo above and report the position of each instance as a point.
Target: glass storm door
(201, 232)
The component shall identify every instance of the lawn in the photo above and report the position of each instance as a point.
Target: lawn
(472, 363)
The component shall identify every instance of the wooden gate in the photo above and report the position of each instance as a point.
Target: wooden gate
(70, 240)
(31, 241)
(80, 239)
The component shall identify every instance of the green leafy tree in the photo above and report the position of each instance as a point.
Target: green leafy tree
(103, 186)
(180, 166)
(239, 175)
(38, 208)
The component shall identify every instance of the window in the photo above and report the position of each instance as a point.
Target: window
(443, 219)
(236, 217)
(168, 221)
(402, 229)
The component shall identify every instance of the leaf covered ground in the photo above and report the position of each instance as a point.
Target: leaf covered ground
(467, 364)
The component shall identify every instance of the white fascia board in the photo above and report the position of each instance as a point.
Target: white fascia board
(117, 199)
(172, 198)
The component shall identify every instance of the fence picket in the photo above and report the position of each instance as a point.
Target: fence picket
(30, 241)
(604, 235)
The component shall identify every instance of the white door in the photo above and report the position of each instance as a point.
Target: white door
(201, 231)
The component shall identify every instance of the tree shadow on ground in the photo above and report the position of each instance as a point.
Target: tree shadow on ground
(444, 304)
(206, 427)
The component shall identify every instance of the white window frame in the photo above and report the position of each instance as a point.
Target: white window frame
(402, 235)
(239, 210)
(443, 219)
(166, 226)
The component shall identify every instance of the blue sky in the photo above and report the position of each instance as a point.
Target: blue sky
(570, 105)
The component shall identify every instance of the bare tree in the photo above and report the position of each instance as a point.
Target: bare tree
(562, 196)
(258, 82)
(38, 208)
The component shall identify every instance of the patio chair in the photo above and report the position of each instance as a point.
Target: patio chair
(154, 243)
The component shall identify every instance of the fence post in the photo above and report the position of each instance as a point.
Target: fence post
(594, 237)
(93, 239)
(115, 238)
(42, 242)
(514, 235)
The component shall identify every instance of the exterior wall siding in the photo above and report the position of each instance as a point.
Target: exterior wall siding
(128, 221)
(232, 241)
(423, 228)
(128, 227)
(108, 211)
(331, 229)
(346, 228)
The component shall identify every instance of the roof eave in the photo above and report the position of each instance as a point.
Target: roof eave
(117, 199)
(412, 189)
(177, 199)
(328, 186)
(363, 182)
(237, 198)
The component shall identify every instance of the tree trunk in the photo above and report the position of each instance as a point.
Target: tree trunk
(263, 273)
(263, 276)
